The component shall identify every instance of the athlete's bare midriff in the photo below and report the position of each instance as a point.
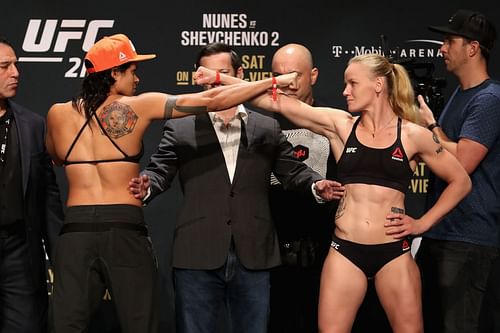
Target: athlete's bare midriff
(362, 212)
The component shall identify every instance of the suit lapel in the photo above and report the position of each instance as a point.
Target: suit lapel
(246, 140)
(206, 138)
(22, 127)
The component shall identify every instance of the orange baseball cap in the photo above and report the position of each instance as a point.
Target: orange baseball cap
(112, 51)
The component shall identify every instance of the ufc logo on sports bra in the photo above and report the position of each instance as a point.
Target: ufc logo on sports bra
(351, 150)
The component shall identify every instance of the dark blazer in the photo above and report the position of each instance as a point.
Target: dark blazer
(43, 212)
(214, 210)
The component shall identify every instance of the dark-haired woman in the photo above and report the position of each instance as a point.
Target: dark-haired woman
(97, 137)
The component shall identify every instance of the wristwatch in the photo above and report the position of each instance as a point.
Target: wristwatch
(432, 126)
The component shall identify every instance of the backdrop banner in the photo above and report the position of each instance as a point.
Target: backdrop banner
(52, 37)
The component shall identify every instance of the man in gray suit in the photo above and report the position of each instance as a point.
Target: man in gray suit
(30, 207)
(225, 241)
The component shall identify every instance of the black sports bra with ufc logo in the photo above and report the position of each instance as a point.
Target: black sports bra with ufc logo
(387, 167)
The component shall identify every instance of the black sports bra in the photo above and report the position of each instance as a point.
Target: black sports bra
(387, 167)
(126, 158)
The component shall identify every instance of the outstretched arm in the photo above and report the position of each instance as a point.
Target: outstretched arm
(164, 106)
(227, 96)
(319, 120)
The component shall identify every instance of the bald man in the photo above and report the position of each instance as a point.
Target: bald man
(303, 225)
(297, 58)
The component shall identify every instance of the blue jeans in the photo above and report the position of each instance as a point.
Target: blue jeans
(199, 295)
(454, 278)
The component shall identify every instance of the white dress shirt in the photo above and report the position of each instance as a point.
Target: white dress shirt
(229, 136)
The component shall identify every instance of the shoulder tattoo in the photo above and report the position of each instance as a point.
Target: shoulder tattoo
(118, 119)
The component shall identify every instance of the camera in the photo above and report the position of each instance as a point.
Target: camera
(422, 77)
(425, 84)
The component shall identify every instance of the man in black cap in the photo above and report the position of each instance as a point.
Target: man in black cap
(456, 255)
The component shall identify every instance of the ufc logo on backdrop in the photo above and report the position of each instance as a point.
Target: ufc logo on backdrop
(62, 33)
(44, 37)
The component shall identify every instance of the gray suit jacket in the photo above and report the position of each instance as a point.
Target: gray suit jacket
(214, 210)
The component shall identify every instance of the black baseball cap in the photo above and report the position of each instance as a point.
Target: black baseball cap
(471, 25)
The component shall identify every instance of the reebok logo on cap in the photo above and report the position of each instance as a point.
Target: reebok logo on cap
(122, 57)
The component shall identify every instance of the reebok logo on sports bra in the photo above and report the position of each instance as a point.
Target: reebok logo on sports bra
(397, 154)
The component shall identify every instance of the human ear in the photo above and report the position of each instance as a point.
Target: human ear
(379, 84)
(314, 75)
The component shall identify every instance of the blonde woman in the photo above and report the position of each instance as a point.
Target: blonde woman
(376, 152)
